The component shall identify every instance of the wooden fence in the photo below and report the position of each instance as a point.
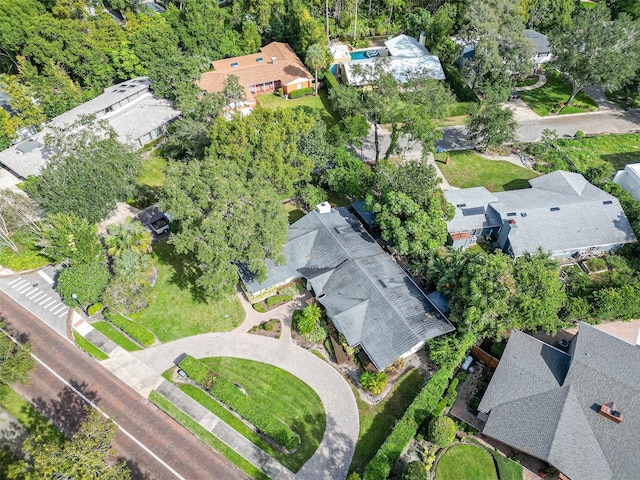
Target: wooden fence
(482, 356)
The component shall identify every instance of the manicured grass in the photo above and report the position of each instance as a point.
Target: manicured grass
(284, 395)
(507, 468)
(89, 347)
(320, 103)
(153, 170)
(547, 98)
(115, 336)
(466, 462)
(206, 436)
(138, 332)
(174, 312)
(468, 169)
(27, 257)
(27, 415)
(377, 421)
(618, 150)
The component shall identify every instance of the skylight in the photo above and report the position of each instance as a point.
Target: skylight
(607, 202)
(259, 59)
(555, 209)
(511, 214)
(234, 64)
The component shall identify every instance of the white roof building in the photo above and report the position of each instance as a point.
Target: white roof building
(629, 179)
(129, 107)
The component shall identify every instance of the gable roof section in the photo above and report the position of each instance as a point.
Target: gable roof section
(370, 299)
(257, 68)
(560, 424)
(539, 40)
(357, 72)
(474, 198)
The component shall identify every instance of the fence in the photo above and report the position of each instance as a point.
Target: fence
(482, 356)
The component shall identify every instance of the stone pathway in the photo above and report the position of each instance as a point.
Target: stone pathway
(444, 183)
(541, 81)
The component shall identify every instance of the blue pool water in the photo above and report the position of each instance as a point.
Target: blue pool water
(360, 55)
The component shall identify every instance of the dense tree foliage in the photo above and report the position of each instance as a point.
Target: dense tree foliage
(87, 455)
(595, 50)
(64, 237)
(88, 171)
(16, 362)
(87, 281)
(492, 125)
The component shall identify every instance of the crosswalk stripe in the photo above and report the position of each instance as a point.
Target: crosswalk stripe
(20, 285)
(57, 311)
(56, 305)
(35, 292)
(45, 300)
(39, 297)
(25, 289)
(63, 313)
(14, 281)
(49, 303)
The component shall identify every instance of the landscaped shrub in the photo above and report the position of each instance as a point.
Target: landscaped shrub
(136, 331)
(419, 410)
(95, 308)
(243, 405)
(374, 382)
(442, 431)
(415, 471)
(259, 307)
(452, 393)
(439, 410)
(301, 93)
(86, 280)
(330, 80)
(276, 299)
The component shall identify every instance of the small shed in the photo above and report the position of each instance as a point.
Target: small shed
(460, 240)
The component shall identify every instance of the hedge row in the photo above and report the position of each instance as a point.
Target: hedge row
(330, 80)
(420, 409)
(271, 301)
(301, 93)
(231, 396)
(136, 331)
(460, 88)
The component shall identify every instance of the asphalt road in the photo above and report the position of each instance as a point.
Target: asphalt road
(156, 447)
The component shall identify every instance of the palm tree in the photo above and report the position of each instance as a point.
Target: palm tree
(127, 236)
(316, 58)
(309, 319)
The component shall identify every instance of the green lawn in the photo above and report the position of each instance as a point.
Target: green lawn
(377, 421)
(153, 170)
(207, 437)
(26, 258)
(618, 150)
(320, 103)
(507, 468)
(89, 347)
(174, 311)
(284, 395)
(27, 415)
(468, 169)
(115, 336)
(547, 98)
(466, 462)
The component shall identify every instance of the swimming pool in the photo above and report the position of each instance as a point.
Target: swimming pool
(360, 54)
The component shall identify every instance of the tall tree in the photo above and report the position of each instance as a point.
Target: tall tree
(595, 50)
(86, 455)
(130, 235)
(16, 362)
(88, 171)
(316, 59)
(492, 125)
(66, 237)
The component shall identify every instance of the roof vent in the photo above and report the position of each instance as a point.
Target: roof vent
(234, 64)
(555, 209)
(523, 214)
(273, 59)
(324, 207)
(607, 202)
(511, 214)
(609, 411)
(28, 146)
(460, 205)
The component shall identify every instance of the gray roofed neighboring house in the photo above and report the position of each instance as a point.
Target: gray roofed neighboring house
(367, 296)
(541, 43)
(129, 107)
(561, 213)
(546, 403)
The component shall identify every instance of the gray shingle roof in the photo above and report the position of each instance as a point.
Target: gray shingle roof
(469, 198)
(562, 212)
(129, 107)
(559, 423)
(370, 299)
(539, 40)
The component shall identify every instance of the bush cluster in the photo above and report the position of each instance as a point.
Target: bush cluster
(136, 331)
(301, 93)
(231, 396)
(95, 308)
(276, 299)
(460, 88)
(442, 431)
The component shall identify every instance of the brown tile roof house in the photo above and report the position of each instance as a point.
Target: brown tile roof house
(275, 66)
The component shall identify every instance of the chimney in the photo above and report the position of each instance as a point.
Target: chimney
(324, 207)
(608, 410)
(423, 37)
(273, 60)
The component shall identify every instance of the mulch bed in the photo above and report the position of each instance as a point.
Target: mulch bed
(263, 329)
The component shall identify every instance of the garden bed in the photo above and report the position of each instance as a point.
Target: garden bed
(271, 328)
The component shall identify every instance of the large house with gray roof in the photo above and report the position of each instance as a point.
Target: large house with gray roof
(366, 295)
(561, 213)
(130, 109)
(578, 411)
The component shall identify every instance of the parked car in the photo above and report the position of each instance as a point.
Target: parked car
(514, 96)
(160, 225)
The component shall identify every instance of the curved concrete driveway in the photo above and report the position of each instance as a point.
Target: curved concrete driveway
(332, 458)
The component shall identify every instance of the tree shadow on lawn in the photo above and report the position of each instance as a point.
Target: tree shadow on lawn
(517, 184)
(619, 160)
(184, 274)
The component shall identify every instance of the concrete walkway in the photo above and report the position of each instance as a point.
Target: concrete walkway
(541, 81)
(332, 458)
